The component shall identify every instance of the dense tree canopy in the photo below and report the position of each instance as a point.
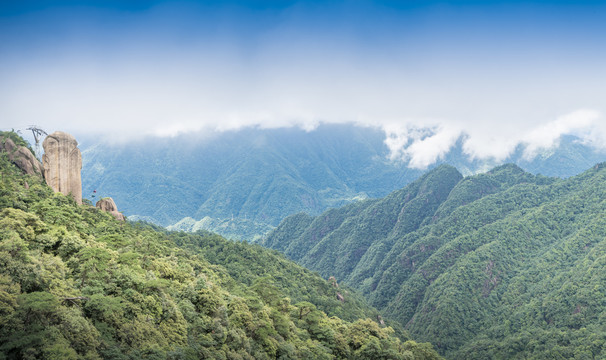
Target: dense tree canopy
(497, 265)
(76, 283)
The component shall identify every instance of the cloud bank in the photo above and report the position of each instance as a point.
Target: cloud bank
(491, 76)
(421, 147)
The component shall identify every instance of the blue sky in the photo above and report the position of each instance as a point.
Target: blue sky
(498, 73)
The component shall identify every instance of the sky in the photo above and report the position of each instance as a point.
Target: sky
(496, 74)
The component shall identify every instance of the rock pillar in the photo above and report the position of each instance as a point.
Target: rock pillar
(62, 163)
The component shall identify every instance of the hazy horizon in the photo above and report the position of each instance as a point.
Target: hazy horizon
(495, 74)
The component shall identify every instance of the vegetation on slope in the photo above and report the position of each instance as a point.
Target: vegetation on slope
(507, 265)
(16, 138)
(76, 283)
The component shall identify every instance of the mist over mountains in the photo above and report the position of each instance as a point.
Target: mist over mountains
(258, 175)
(245, 182)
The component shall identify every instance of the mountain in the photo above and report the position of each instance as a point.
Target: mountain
(241, 184)
(77, 283)
(257, 175)
(503, 264)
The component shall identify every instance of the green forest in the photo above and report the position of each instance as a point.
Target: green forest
(503, 265)
(77, 284)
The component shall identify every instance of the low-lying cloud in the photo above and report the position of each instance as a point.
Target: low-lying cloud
(421, 147)
(588, 125)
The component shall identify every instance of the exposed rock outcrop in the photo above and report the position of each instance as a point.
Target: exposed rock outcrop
(21, 156)
(62, 164)
(108, 204)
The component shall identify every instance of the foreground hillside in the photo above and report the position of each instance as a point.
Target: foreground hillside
(76, 283)
(498, 265)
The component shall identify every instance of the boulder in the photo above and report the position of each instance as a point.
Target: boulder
(62, 164)
(108, 204)
(21, 156)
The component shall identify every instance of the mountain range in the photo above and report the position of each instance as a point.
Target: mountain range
(500, 264)
(241, 184)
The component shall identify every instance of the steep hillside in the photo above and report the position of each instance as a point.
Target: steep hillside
(335, 242)
(504, 265)
(76, 283)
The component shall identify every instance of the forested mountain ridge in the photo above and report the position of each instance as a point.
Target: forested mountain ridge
(76, 283)
(258, 175)
(365, 222)
(506, 265)
(241, 184)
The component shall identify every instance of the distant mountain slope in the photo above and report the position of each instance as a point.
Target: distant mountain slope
(257, 175)
(75, 283)
(234, 228)
(254, 178)
(497, 265)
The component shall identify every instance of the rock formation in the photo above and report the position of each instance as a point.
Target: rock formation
(62, 164)
(108, 204)
(21, 156)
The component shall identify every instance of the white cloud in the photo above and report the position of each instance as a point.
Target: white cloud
(420, 146)
(589, 125)
(423, 146)
(424, 152)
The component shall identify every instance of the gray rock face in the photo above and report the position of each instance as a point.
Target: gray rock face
(21, 156)
(62, 164)
(108, 204)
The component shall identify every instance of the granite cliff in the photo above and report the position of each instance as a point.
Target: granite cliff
(62, 164)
